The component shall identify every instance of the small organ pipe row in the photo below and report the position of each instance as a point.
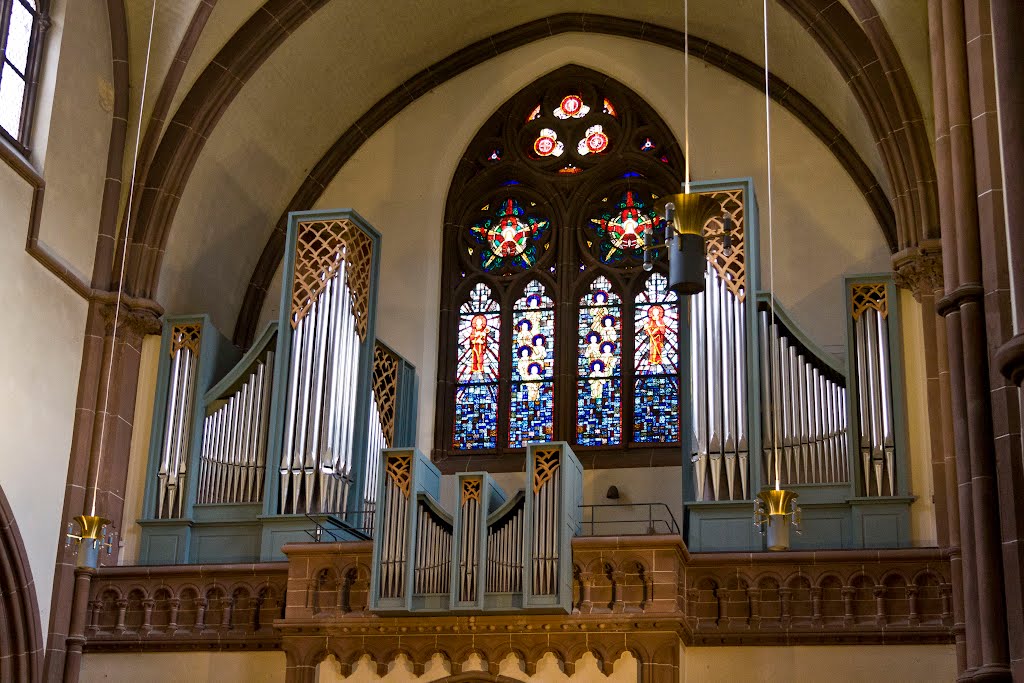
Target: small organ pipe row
(547, 512)
(874, 393)
(376, 442)
(505, 552)
(493, 553)
(316, 460)
(468, 561)
(432, 568)
(233, 456)
(177, 434)
(394, 539)
(803, 412)
(718, 362)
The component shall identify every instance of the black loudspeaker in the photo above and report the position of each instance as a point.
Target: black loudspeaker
(686, 263)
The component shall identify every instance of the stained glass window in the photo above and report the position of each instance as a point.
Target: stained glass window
(18, 60)
(476, 393)
(599, 387)
(548, 212)
(620, 231)
(509, 237)
(533, 346)
(656, 363)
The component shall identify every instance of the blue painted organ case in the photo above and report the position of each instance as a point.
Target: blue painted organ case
(248, 450)
(493, 554)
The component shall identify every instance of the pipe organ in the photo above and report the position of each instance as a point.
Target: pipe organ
(288, 429)
(769, 406)
(493, 553)
(803, 408)
(870, 312)
(177, 435)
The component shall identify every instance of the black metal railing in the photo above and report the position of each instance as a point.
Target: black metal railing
(628, 519)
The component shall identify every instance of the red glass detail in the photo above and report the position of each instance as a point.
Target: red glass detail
(535, 114)
(597, 142)
(571, 104)
(609, 108)
(647, 145)
(570, 170)
(544, 145)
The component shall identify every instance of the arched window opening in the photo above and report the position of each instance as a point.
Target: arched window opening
(547, 213)
(22, 24)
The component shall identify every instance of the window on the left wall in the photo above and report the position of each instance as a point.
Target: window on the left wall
(22, 25)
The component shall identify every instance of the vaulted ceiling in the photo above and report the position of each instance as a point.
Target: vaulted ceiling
(254, 97)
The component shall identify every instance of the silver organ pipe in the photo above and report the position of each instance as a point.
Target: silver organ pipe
(874, 389)
(316, 461)
(174, 454)
(394, 540)
(718, 365)
(233, 455)
(546, 522)
(803, 418)
(470, 533)
(381, 433)
(432, 563)
(505, 551)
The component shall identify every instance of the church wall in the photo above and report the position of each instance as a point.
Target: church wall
(44, 319)
(799, 664)
(194, 667)
(815, 663)
(399, 181)
(44, 322)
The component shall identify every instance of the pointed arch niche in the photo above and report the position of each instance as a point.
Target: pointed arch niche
(549, 325)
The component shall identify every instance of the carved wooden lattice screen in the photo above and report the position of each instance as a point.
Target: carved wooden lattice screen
(325, 423)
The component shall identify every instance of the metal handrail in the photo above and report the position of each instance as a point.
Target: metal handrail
(329, 524)
(654, 522)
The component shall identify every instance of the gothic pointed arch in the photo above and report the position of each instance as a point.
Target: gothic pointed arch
(20, 628)
(547, 211)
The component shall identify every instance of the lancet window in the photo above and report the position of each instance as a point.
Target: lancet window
(22, 25)
(550, 327)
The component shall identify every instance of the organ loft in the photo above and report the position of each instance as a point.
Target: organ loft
(457, 341)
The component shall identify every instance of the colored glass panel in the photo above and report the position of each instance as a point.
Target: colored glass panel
(533, 348)
(620, 232)
(508, 238)
(609, 108)
(599, 387)
(547, 144)
(571, 107)
(476, 393)
(656, 363)
(594, 141)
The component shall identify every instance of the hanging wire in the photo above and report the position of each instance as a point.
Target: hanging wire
(686, 95)
(124, 259)
(771, 240)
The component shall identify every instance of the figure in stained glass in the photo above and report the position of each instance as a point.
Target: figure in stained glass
(478, 339)
(655, 328)
(509, 238)
(621, 232)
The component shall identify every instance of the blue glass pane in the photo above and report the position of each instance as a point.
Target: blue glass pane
(476, 416)
(599, 412)
(656, 413)
(532, 413)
